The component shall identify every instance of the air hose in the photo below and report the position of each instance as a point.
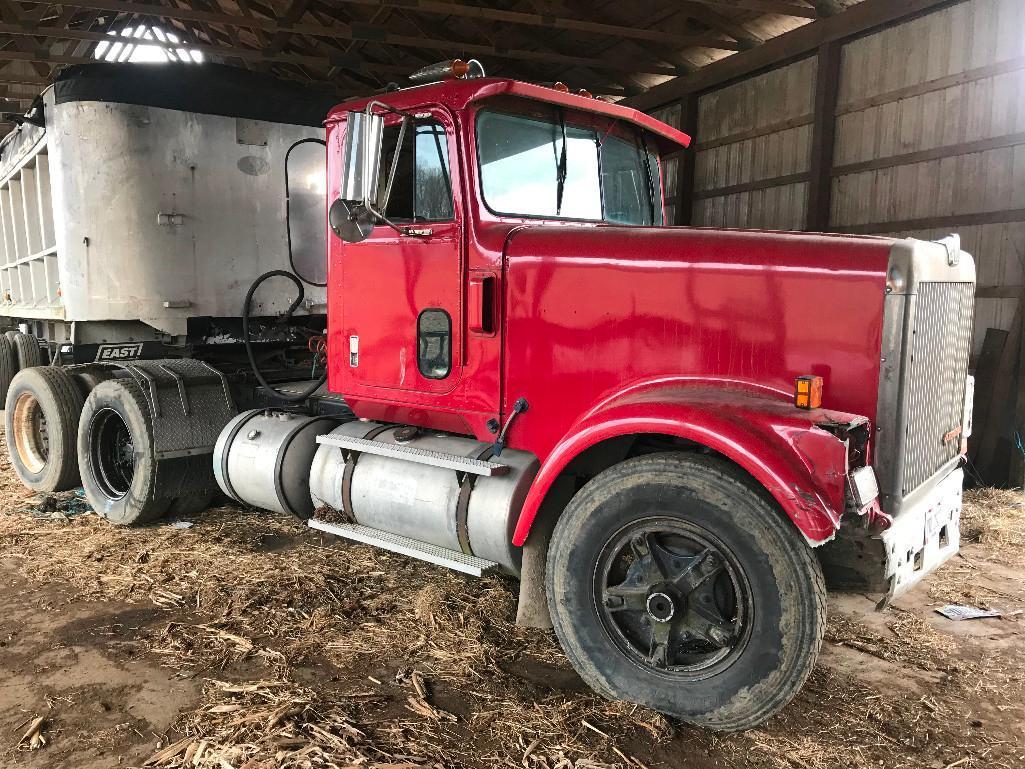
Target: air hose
(296, 277)
(290, 397)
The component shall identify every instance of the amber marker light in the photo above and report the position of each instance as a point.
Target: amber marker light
(460, 68)
(585, 93)
(808, 392)
(560, 86)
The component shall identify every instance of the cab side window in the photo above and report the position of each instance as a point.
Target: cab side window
(422, 190)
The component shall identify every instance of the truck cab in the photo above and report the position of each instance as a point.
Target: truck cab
(676, 438)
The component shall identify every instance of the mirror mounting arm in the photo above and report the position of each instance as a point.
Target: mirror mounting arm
(368, 204)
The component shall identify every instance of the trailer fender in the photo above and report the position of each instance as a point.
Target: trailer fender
(789, 451)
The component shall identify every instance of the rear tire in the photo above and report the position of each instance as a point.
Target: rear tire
(8, 366)
(116, 455)
(43, 407)
(87, 376)
(27, 349)
(728, 629)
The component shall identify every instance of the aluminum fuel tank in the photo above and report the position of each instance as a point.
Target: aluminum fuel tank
(431, 504)
(262, 458)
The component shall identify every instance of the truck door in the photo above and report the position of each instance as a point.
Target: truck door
(401, 308)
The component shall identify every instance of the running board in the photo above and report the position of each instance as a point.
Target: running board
(413, 454)
(440, 556)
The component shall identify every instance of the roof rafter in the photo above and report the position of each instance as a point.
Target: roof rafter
(342, 31)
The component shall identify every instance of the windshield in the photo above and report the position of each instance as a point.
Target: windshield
(540, 168)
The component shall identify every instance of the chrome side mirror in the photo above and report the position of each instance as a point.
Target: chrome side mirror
(361, 158)
(360, 205)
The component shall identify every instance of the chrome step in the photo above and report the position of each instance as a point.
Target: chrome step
(413, 454)
(441, 556)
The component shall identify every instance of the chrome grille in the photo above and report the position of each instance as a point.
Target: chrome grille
(940, 346)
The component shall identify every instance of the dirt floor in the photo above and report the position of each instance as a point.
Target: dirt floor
(248, 642)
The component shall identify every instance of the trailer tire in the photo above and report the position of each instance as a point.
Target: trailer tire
(43, 407)
(728, 629)
(88, 376)
(27, 349)
(8, 366)
(116, 455)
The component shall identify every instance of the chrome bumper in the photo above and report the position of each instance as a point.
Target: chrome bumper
(924, 535)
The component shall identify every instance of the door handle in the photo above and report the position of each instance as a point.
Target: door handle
(482, 303)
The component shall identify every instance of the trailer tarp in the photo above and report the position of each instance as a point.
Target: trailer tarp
(211, 89)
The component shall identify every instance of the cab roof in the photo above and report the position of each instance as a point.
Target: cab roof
(460, 93)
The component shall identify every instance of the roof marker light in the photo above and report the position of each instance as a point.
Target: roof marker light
(449, 69)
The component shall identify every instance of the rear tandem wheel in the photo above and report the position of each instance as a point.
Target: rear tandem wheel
(123, 479)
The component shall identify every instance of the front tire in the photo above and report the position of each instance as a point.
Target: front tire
(675, 584)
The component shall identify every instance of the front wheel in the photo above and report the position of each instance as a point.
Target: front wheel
(674, 584)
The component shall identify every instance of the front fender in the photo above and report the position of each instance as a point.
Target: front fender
(785, 449)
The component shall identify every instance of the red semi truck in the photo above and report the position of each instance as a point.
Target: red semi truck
(675, 437)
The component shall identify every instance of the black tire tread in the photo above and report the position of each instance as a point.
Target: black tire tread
(154, 507)
(8, 366)
(27, 350)
(69, 403)
(717, 478)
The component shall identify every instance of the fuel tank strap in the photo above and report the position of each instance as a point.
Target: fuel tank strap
(466, 484)
(351, 457)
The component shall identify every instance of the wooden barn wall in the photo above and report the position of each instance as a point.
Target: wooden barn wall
(750, 134)
(929, 139)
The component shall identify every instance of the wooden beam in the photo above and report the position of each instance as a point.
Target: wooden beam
(755, 133)
(765, 6)
(820, 185)
(23, 80)
(359, 31)
(758, 184)
(936, 153)
(548, 21)
(935, 222)
(999, 292)
(686, 164)
(856, 20)
(931, 86)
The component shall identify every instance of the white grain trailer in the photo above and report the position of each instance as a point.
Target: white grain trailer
(138, 204)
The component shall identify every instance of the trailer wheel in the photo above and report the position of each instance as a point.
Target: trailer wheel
(8, 366)
(116, 454)
(674, 584)
(43, 407)
(27, 349)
